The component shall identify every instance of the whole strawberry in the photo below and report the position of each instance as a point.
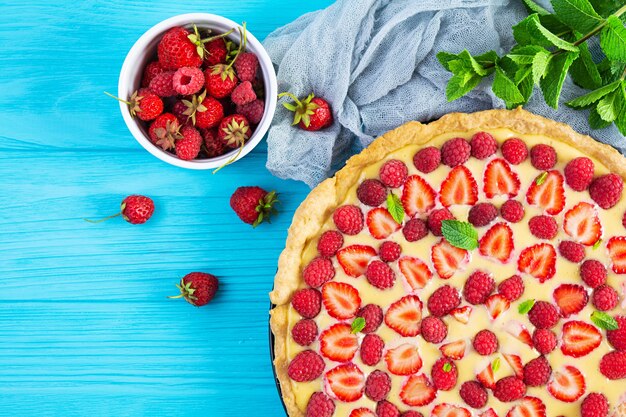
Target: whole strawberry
(204, 112)
(198, 288)
(312, 113)
(142, 103)
(234, 130)
(215, 52)
(253, 205)
(220, 80)
(135, 209)
(188, 147)
(177, 50)
(164, 131)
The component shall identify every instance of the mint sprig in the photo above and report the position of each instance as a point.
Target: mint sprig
(460, 234)
(395, 208)
(604, 321)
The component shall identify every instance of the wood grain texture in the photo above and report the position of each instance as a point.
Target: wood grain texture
(85, 325)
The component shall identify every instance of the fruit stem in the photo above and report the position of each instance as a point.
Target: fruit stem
(293, 97)
(223, 35)
(242, 44)
(117, 98)
(103, 219)
(231, 160)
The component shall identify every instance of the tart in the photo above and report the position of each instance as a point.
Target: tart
(472, 266)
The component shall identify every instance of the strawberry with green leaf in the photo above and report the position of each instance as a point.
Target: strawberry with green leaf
(312, 113)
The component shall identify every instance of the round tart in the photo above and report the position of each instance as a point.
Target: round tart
(473, 266)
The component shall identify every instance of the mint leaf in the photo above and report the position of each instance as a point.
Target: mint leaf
(620, 122)
(577, 14)
(460, 234)
(447, 367)
(526, 87)
(541, 178)
(606, 7)
(461, 84)
(556, 71)
(357, 325)
(506, 89)
(604, 321)
(535, 8)
(611, 70)
(495, 365)
(595, 121)
(607, 107)
(488, 59)
(521, 31)
(444, 59)
(523, 55)
(531, 31)
(592, 97)
(584, 71)
(540, 64)
(597, 244)
(395, 208)
(525, 306)
(613, 39)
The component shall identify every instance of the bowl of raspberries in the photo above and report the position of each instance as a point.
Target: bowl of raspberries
(198, 91)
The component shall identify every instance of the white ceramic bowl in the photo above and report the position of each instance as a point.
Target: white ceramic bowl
(144, 51)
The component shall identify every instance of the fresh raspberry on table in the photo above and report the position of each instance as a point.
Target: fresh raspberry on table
(579, 173)
(436, 217)
(443, 300)
(253, 111)
(572, 251)
(389, 251)
(474, 394)
(306, 366)
(386, 409)
(377, 385)
(234, 130)
(617, 338)
(485, 342)
(164, 131)
(537, 372)
(604, 297)
(212, 145)
(606, 190)
(304, 332)
(543, 227)
(215, 53)
(510, 388)
(512, 288)
(318, 272)
(433, 329)
(152, 70)
(176, 50)
(482, 214)
(243, 94)
(220, 80)
(163, 84)
(512, 211)
(594, 405)
(393, 173)
(543, 157)
(444, 374)
(478, 287)
(348, 219)
(544, 340)
(380, 275)
(613, 365)
(307, 302)
(543, 315)
(373, 316)
(414, 230)
(593, 273)
(329, 243)
(188, 80)
(188, 147)
(483, 145)
(371, 192)
(514, 150)
(427, 159)
(455, 152)
(246, 66)
(372, 349)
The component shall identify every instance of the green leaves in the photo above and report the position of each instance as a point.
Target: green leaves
(589, 98)
(530, 31)
(608, 105)
(495, 365)
(460, 234)
(577, 14)
(447, 367)
(604, 321)
(552, 84)
(525, 306)
(395, 208)
(584, 71)
(506, 89)
(613, 39)
(467, 71)
(357, 325)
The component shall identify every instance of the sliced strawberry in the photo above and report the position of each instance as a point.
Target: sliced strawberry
(528, 407)
(403, 360)
(449, 410)
(418, 391)
(459, 187)
(486, 377)
(462, 314)
(570, 298)
(497, 243)
(341, 300)
(539, 261)
(519, 331)
(338, 343)
(354, 259)
(405, 315)
(617, 252)
(488, 413)
(550, 195)
(496, 304)
(346, 382)
(362, 412)
(447, 259)
(415, 271)
(380, 223)
(567, 384)
(418, 196)
(583, 224)
(515, 362)
(579, 338)
(500, 179)
(454, 350)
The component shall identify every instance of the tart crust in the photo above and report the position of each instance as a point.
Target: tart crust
(317, 207)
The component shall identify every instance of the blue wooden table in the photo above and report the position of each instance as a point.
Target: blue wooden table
(85, 325)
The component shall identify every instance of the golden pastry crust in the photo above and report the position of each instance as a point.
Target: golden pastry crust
(317, 207)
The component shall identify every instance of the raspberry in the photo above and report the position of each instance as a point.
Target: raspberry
(512, 211)
(243, 94)
(485, 342)
(377, 385)
(320, 404)
(543, 227)
(386, 409)
(433, 329)
(604, 297)
(613, 365)
(543, 315)
(435, 219)
(478, 287)
(393, 173)
(162, 84)
(483, 145)
(189, 146)
(318, 272)
(246, 66)
(579, 173)
(306, 366)
(216, 52)
(414, 230)
(304, 332)
(443, 300)
(389, 251)
(624, 219)
(444, 374)
(307, 302)
(474, 394)
(371, 193)
(178, 110)
(617, 338)
(380, 275)
(188, 80)
(593, 273)
(455, 152)
(572, 251)
(606, 190)
(372, 349)
(544, 340)
(252, 111)
(509, 388)
(514, 151)
(212, 145)
(427, 160)
(330, 242)
(373, 316)
(594, 405)
(152, 70)
(543, 157)
(512, 288)
(482, 214)
(348, 219)
(537, 372)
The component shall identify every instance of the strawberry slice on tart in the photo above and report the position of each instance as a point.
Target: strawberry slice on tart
(459, 188)
(539, 261)
(583, 224)
(567, 384)
(405, 316)
(380, 223)
(341, 300)
(403, 360)
(547, 192)
(497, 242)
(579, 338)
(417, 391)
(415, 271)
(338, 343)
(346, 382)
(418, 196)
(500, 179)
(448, 259)
(355, 258)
